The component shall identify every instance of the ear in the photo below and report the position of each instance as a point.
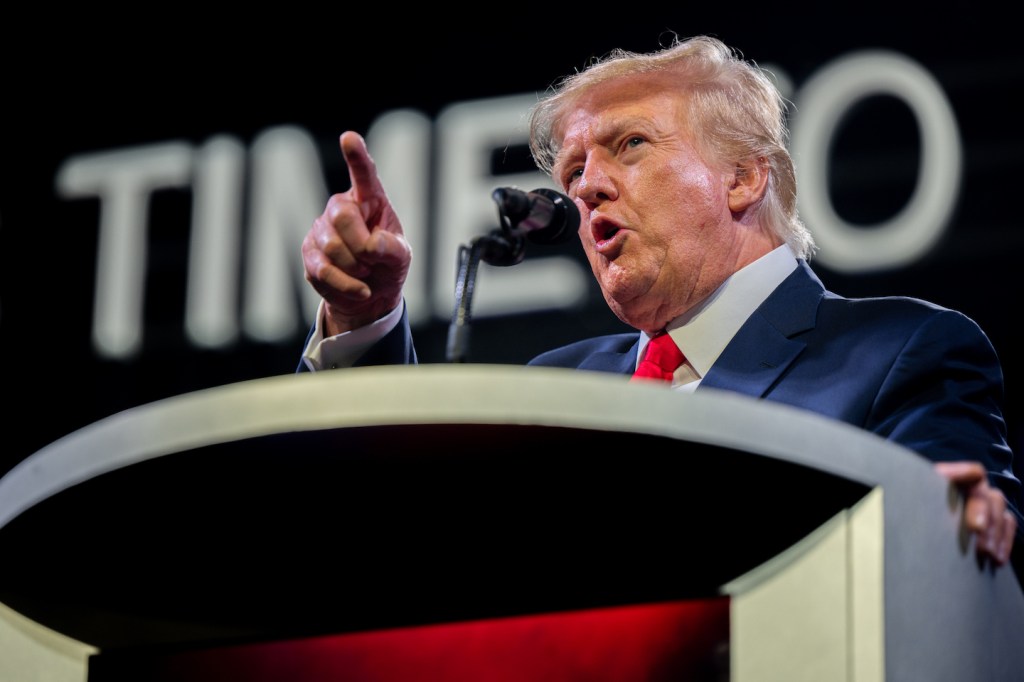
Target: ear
(748, 184)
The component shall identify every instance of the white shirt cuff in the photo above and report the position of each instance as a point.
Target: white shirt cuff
(342, 350)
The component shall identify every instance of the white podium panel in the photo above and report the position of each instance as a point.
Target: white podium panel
(366, 499)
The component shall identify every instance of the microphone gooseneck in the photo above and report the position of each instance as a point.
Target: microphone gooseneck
(542, 216)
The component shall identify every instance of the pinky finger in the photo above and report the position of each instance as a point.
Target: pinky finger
(1005, 541)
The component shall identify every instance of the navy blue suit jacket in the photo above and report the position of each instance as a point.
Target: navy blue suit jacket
(923, 376)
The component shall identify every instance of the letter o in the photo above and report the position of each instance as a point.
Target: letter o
(916, 228)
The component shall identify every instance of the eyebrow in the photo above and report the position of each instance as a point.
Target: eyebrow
(609, 130)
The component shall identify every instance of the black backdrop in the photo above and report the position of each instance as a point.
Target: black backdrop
(82, 84)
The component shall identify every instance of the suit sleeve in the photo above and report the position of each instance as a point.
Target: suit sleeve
(396, 348)
(943, 397)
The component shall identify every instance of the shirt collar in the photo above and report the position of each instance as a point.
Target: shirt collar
(705, 330)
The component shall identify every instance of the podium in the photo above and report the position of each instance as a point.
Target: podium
(341, 506)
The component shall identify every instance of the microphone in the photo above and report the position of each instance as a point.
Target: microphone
(544, 216)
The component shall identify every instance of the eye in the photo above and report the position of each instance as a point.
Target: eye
(573, 175)
(634, 141)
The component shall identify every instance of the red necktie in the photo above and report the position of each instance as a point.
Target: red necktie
(660, 361)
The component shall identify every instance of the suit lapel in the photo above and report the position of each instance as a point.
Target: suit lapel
(763, 347)
(613, 361)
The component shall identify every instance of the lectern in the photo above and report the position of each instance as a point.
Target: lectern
(442, 520)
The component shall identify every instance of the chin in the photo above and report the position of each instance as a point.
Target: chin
(630, 314)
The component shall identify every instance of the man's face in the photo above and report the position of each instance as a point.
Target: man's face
(655, 218)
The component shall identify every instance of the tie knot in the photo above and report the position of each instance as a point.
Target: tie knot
(661, 359)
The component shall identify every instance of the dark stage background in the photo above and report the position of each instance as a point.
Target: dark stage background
(187, 90)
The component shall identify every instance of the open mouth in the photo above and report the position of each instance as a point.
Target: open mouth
(603, 230)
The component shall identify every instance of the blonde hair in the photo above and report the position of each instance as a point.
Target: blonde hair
(734, 112)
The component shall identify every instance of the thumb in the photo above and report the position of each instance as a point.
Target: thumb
(964, 473)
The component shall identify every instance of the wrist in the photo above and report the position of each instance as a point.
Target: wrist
(338, 322)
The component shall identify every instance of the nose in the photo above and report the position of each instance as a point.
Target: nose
(596, 184)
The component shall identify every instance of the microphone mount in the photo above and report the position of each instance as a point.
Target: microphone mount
(542, 216)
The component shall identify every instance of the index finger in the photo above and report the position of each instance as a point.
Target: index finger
(362, 171)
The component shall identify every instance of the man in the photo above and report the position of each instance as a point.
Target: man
(677, 163)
